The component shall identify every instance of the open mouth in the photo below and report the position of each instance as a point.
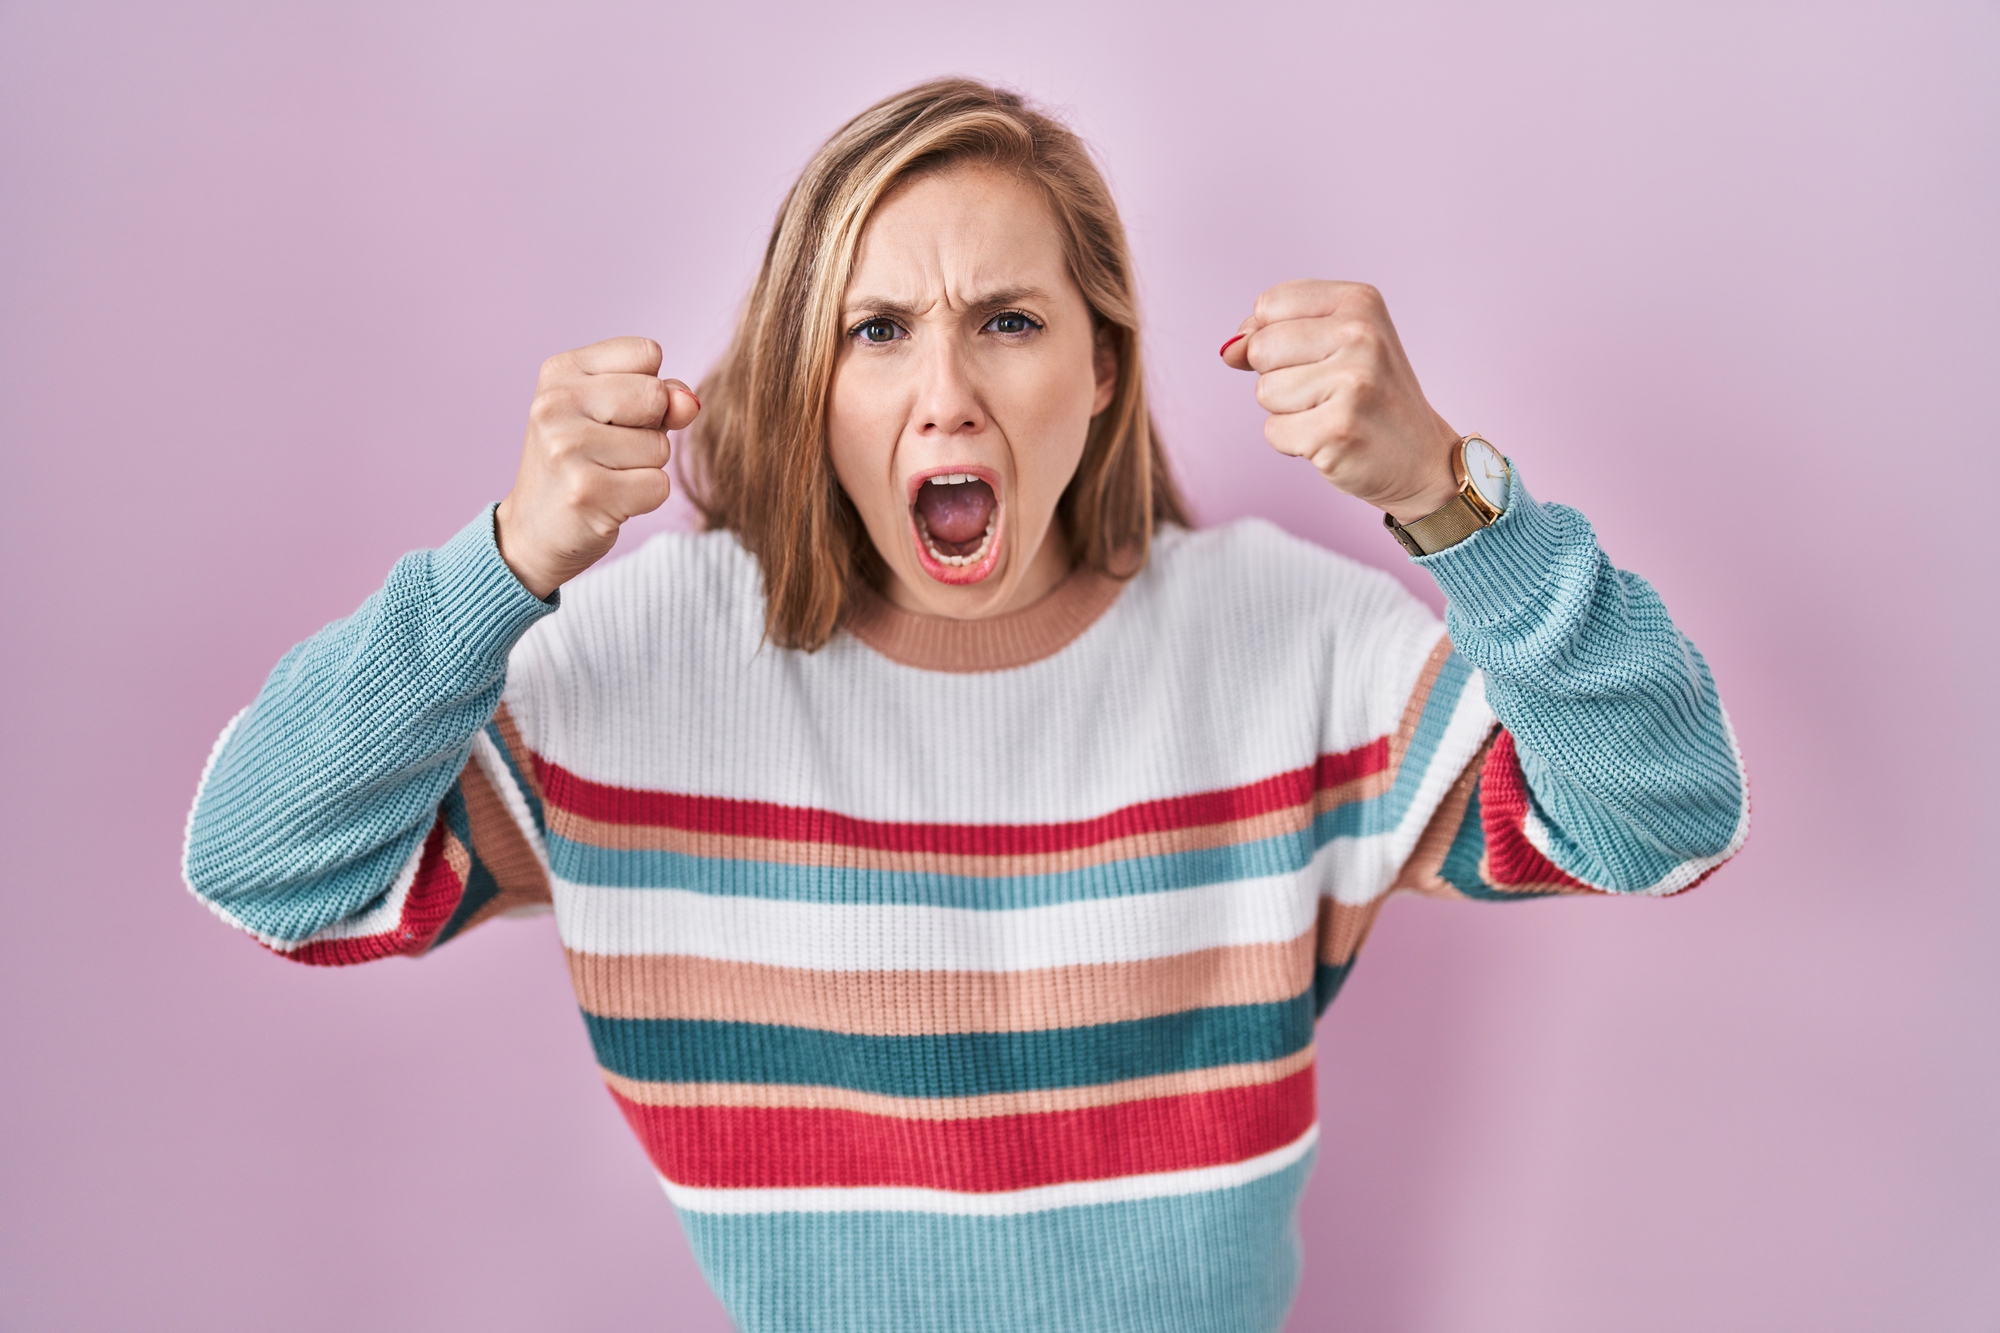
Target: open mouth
(957, 521)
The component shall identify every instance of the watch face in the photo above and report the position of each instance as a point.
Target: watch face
(1488, 471)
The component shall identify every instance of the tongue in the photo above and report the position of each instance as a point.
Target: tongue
(956, 515)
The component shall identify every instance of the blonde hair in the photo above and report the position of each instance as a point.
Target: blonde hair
(758, 464)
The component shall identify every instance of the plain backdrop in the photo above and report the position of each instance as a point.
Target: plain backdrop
(274, 283)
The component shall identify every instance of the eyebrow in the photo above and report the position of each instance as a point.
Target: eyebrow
(883, 305)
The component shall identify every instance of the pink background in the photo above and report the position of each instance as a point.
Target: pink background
(276, 282)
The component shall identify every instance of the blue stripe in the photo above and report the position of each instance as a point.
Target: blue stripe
(1328, 978)
(1224, 1261)
(582, 863)
(955, 1064)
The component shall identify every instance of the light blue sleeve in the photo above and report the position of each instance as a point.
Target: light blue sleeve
(325, 787)
(1634, 781)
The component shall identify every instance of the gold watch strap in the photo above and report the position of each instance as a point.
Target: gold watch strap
(1440, 528)
(1460, 517)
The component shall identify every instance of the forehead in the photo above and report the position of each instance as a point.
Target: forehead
(959, 231)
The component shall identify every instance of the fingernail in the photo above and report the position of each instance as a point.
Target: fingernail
(697, 401)
(1231, 343)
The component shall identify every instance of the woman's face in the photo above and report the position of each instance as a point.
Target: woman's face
(963, 393)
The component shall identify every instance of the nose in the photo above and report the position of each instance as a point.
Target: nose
(948, 402)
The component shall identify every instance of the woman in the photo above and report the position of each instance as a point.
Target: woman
(952, 848)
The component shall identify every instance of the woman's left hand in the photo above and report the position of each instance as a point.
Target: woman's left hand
(1340, 391)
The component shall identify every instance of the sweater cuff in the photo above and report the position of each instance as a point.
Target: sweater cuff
(478, 596)
(1498, 571)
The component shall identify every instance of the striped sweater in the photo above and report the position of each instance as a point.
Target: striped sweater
(963, 975)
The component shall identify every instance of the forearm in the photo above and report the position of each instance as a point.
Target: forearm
(1633, 779)
(325, 788)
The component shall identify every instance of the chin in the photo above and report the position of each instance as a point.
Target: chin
(958, 525)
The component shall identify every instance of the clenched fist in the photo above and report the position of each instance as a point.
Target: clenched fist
(595, 456)
(1332, 374)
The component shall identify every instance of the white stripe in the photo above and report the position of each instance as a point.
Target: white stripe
(886, 937)
(1687, 872)
(686, 696)
(1010, 1203)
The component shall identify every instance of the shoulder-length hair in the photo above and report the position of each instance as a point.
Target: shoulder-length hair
(758, 463)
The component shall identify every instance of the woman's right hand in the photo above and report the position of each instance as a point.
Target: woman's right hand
(595, 456)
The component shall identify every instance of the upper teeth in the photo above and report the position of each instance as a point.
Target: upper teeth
(952, 478)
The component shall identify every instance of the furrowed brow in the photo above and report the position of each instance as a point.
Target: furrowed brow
(889, 307)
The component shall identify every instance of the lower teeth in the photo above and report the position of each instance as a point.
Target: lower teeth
(956, 561)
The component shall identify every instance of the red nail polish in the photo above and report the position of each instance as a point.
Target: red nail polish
(1231, 343)
(697, 401)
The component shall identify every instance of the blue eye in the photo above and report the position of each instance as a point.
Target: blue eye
(1010, 321)
(876, 331)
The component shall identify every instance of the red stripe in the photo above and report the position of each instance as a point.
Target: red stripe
(1511, 860)
(433, 897)
(731, 1147)
(791, 823)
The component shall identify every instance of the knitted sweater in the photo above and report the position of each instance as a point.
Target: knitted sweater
(963, 975)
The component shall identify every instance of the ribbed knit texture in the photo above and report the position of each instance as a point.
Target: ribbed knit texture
(956, 976)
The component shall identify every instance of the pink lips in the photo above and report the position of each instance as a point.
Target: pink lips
(959, 575)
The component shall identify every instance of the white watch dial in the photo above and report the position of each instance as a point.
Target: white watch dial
(1488, 471)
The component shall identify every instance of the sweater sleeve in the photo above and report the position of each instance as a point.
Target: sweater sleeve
(374, 798)
(1615, 768)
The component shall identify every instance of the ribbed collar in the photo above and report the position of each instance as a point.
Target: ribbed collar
(998, 643)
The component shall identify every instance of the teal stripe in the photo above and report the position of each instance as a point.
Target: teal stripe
(582, 863)
(1285, 854)
(955, 1064)
(1225, 1261)
(1328, 978)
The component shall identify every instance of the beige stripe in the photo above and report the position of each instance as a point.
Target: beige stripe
(904, 1003)
(456, 856)
(1342, 929)
(498, 842)
(1413, 710)
(1036, 1102)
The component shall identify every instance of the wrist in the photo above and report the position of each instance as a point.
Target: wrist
(507, 540)
(1435, 484)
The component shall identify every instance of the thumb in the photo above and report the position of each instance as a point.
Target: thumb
(1236, 352)
(683, 407)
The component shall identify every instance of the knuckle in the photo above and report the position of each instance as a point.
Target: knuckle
(550, 406)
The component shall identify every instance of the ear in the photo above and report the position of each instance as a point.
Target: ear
(1105, 362)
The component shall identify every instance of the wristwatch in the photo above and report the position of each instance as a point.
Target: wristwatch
(1484, 479)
